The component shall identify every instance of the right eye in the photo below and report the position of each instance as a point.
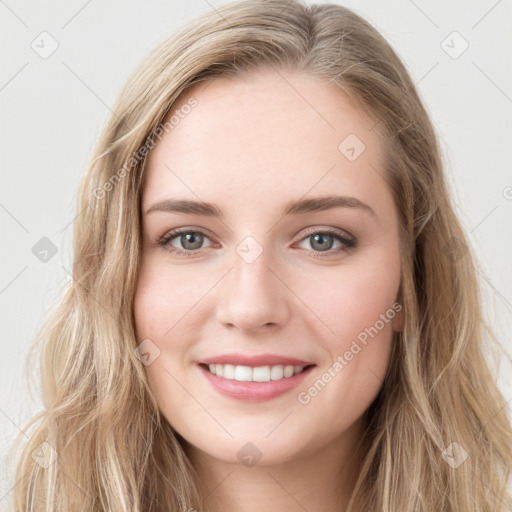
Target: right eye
(190, 240)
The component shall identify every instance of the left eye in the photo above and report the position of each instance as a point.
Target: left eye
(321, 241)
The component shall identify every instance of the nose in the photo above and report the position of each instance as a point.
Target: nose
(253, 297)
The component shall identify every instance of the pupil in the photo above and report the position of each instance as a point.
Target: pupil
(189, 237)
(318, 237)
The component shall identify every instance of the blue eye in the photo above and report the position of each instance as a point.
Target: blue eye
(191, 241)
(321, 241)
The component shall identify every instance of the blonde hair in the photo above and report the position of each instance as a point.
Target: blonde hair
(114, 449)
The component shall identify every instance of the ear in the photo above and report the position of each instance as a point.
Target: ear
(399, 319)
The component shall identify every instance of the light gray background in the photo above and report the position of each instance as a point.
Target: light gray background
(53, 110)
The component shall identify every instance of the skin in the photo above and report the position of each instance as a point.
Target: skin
(243, 148)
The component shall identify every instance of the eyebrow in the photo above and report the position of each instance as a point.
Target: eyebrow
(302, 206)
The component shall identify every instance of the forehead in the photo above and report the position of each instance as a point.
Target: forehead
(268, 135)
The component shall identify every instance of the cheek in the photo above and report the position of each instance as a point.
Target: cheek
(155, 314)
(164, 298)
(352, 299)
(166, 311)
(357, 306)
(149, 306)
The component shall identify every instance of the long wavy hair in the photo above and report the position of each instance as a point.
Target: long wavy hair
(101, 443)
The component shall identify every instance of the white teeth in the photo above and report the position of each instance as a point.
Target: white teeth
(243, 373)
(288, 371)
(229, 371)
(257, 374)
(276, 372)
(261, 374)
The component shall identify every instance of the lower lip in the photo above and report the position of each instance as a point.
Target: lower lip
(254, 391)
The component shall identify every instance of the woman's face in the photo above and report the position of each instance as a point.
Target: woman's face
(269, 269)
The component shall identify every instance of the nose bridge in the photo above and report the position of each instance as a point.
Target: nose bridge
(253, 296)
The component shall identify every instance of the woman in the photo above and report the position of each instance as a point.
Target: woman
(273, 304)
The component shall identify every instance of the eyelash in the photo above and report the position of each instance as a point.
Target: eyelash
(348, 242)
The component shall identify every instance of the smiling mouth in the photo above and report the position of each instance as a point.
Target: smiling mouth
(255, 374)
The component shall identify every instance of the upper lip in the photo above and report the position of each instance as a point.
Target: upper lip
(254, 360)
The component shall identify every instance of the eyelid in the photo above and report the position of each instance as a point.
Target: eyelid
(329, 230)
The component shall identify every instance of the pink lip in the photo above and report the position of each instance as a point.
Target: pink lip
(255, 360)
(254, 391)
